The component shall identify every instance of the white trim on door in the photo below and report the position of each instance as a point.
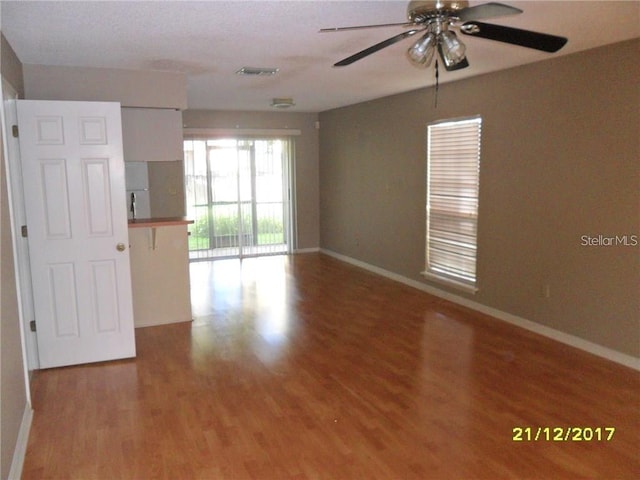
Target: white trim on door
(9, 117)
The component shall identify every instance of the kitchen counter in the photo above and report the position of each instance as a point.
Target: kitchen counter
(159, 222)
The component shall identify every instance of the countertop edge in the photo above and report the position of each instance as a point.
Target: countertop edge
(158, 222)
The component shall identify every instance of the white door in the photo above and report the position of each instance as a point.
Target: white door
(74, 188)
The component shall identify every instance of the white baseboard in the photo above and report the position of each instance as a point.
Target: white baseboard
(306, 250)
(562, 337)
(21, 444)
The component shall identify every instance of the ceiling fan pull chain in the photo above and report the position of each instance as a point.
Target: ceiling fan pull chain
(435, 104)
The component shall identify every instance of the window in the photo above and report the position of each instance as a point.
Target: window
(453, 168)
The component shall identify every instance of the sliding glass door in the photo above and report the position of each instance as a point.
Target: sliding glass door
(238, 195)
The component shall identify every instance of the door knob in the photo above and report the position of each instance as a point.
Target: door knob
(120, 247)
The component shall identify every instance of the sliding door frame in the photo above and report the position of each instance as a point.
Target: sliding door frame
(288, 193)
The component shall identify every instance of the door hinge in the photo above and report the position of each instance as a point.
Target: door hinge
(32, 325)
(23, 231)
(14, 131)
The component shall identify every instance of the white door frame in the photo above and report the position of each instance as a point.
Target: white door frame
(9, 117)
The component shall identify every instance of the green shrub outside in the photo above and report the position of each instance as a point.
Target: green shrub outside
(228, 225)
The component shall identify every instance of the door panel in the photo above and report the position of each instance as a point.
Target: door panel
(97, 193)
(55, 198)
(105, 295)
(62, 292)
(73, 176)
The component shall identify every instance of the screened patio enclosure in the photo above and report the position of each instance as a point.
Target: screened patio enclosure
(237, 193)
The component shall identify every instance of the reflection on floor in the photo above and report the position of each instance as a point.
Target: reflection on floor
(251, 294)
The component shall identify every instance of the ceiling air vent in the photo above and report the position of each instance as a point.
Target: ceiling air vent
(257, 71)
(282, 102)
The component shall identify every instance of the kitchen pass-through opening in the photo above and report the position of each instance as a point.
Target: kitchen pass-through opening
(237, 193)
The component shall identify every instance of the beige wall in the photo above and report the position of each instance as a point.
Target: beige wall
(306, 152)
(132, 88)
(11, 66)
(560, 160)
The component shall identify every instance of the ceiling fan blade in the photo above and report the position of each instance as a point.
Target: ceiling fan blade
(515, 36)
(361, 27)
(486, 10)
(375, 48)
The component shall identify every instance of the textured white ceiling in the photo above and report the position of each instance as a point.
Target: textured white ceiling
(210, 40)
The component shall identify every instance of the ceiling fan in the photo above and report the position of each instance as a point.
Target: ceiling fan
(438, 18)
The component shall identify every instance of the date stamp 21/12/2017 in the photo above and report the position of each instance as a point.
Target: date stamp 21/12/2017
(563, 434)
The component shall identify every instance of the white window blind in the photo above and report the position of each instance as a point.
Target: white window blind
(453, 159)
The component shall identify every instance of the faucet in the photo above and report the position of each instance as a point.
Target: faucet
(133, 206)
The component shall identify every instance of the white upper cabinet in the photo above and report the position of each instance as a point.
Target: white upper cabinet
(152, 134)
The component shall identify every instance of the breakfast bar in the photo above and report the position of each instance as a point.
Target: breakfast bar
(160, 270)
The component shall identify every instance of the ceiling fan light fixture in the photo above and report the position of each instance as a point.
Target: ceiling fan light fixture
(452, 49)
(421, 53)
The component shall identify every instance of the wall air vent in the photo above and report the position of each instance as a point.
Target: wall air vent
(257, 71)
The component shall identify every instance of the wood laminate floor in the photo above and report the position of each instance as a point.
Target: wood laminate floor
(303, 367)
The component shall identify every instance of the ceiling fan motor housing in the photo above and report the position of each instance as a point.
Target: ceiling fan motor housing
(419, 11)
